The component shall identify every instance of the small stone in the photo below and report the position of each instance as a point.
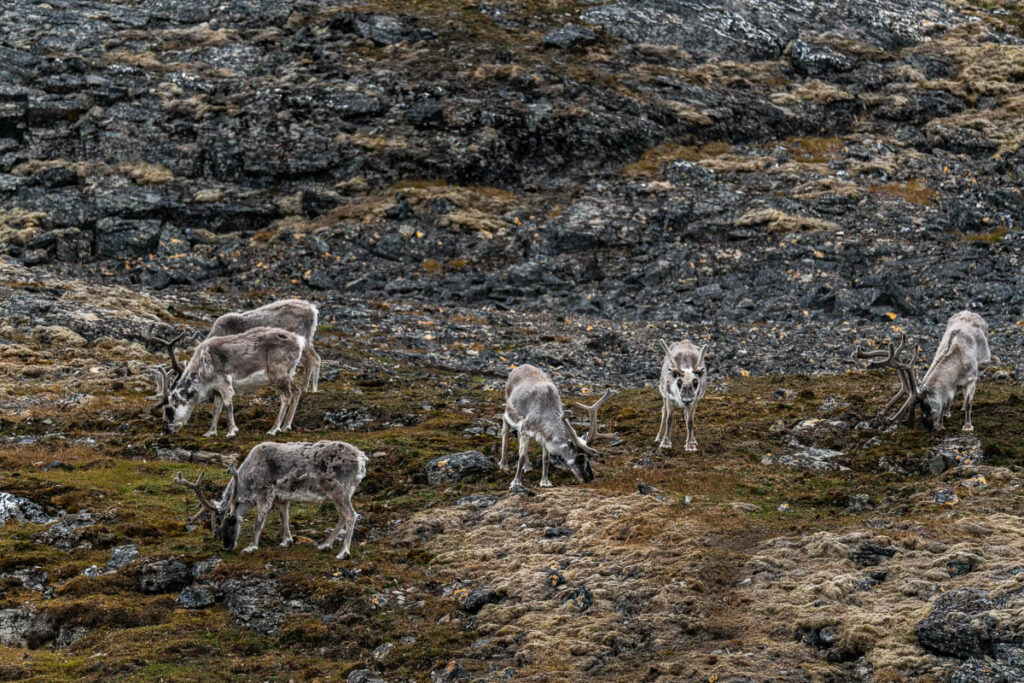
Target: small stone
(364, 676)
(381, 652)
(196, 597)
(975, 482)
(746, 507)
(58, 465)
(569, 36)
(784, 507)
(946, 497)
(474, 600)
(477, 500)
(164, 576)
(558, 532)
(448, 469)
(121, 556)
(581, 598)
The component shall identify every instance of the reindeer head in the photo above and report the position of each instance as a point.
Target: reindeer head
(572, 452)
(684, 387)
(230, 521)
(180, 400)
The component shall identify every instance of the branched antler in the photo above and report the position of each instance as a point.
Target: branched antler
(205, 506)
(169, 344)
(890, 358)
(592, 432)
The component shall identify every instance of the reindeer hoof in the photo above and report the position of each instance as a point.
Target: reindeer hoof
(545, 484)
(273, 432)
(231, 434)
(210, 433)
(503, 467)
(666, 445)
(249, 549)
(692, 446)
(287, 543)
(968, 428)
(324, 546)
(342, 555)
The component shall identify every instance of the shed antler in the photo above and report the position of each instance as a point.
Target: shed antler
(205, 506)
(592, 432)
(890, 358)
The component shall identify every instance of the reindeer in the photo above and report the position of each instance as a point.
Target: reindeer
(262, 356)
(294, 315)
(684, 379)
(276, 475)
(962, 356)
(534, 409)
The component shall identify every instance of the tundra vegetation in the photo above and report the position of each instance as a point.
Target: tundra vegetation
(461, 188)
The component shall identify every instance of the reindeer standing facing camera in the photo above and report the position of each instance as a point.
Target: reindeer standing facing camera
(962, 356)
(684, 379)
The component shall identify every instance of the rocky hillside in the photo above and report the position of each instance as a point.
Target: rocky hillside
(467, 187)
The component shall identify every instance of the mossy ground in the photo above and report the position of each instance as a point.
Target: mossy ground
(414, 415)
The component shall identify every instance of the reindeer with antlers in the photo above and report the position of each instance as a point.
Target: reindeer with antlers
(220, 366)
(962, 356)
(276, 475)
(684, 379)
(534, 409)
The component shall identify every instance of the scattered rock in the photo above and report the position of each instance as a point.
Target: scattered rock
(959, 625)
(121, 556)
(196, 597)
(164, 576)
(581, 598)
(256, 603)
(364, 676)
(448, 469)
(22, 510)
(569, 36)
(480, 501)
(818, 459)
(746, 507)
(472, 601)
(68, 532)
(558, 532)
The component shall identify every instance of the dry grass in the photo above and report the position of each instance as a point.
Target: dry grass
(778, 221)
(913, 191)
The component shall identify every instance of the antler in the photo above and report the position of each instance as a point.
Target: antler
(592, 432)
(205, 506)
(671, 358)
(890, 358)
(169, 344)
(160, 377)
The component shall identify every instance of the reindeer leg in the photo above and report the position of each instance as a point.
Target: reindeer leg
(296, 395)
(352, 517)
(284, 392)
(262, 509)
(666, 438)
(286, 532)
(312, 363)
(232, 427)
(218, 403)
(524, 443)
(661, 427)
(502, 465)
(968, 401)
(544, 481)
(691, 441)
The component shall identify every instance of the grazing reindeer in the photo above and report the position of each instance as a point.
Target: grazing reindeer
(160, 374)
(278, 474)
(684, 379)
(294, 315)
(534, 409)
(262, 356)
(961, 357)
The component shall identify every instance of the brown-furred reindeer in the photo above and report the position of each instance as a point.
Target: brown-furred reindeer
(294, 315)
(220, 366)
(278, 474)
(534, 409)
(962, 356)
(684, 379)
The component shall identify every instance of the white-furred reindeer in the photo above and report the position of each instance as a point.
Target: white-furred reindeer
(220, 366)
(684, 379)
(534, 409)
(962, 356)
(294, 315)
(278, 474)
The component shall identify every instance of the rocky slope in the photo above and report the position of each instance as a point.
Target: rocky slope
(467, 187)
